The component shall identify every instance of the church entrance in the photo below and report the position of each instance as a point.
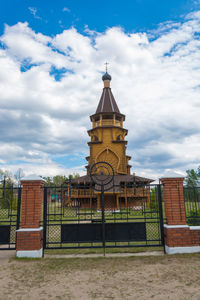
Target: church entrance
(110, 203)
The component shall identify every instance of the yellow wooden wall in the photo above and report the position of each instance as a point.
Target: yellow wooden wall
(113, 153)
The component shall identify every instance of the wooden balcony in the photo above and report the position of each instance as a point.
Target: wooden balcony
(137, 192)
(82, 193)
(108, 122)
(121, 192)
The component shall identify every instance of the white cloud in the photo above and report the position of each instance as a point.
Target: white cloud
(155, 82)
(33, 11)
(50, 170)
(66, 9)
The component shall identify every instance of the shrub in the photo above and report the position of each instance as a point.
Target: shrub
(194, 218)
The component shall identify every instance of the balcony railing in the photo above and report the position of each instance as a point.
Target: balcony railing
(131, 192)
(82, 192)
(135, 192)
(111, 122)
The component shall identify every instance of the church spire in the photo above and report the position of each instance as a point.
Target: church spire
(107, 103)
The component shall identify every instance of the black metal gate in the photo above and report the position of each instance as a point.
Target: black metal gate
(10, 199)
(102, 214)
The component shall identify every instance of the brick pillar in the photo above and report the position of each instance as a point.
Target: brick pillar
(29, 242)
(178, 235)
(174, 201)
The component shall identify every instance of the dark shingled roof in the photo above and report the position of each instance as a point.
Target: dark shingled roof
(107, 103)
(117, 180)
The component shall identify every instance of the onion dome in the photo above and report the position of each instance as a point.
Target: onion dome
(106, 76)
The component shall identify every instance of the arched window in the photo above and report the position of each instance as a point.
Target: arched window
(109, 156)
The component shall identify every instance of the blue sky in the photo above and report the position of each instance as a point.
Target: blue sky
(50, 17)
(52, 56)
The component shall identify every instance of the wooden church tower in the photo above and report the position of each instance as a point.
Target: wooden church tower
(107, 134)
(108, 144)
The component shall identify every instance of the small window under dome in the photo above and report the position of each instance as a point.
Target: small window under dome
(107, 117)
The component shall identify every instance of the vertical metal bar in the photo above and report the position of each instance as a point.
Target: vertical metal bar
(185, 195)
(190, 197)
(4, 186)
(161, 215)
(195, 200)
(44, 219)
(11, 199)
(103, 217)
(18, 207)
(4, 196)
(144, 211)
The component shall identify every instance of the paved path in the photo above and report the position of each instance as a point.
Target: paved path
(152, 253)
(5, 255)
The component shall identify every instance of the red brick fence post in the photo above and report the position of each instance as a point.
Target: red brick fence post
(29, 240)
(179, 237)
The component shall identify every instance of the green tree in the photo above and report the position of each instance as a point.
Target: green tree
(6, 193)
(48, 181)
(73, 176)
(18, 175)
(58, 180)
(5, 174)
(192, 178)
(198, 172)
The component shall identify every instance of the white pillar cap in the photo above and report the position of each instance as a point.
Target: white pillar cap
(32, 177)
(171, 174)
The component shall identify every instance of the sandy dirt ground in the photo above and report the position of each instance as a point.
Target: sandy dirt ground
(136, 277)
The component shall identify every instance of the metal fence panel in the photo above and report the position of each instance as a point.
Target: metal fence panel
(192, 205)
(9, 215)
(77, 216)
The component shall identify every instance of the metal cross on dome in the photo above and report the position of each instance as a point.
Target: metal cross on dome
(106, 63)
